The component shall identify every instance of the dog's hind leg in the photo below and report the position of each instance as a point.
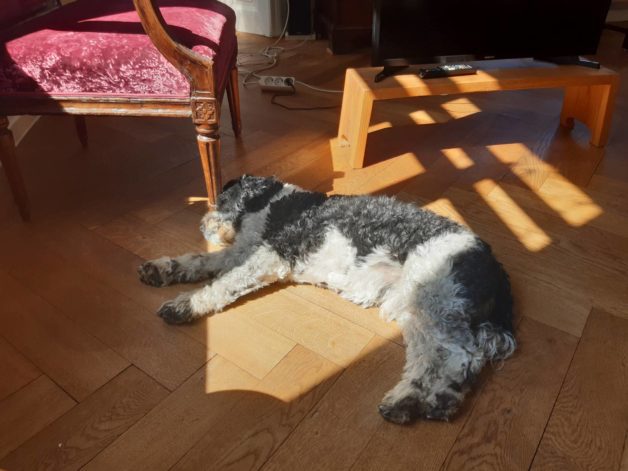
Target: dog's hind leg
(435, 379)
(441, 352)
(240, 274)
(189, 268)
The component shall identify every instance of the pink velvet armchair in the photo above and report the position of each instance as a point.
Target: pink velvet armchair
(93, 57)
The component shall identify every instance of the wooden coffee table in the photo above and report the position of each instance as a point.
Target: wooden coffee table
(589, 96)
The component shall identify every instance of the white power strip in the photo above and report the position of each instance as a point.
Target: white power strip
(272, 83)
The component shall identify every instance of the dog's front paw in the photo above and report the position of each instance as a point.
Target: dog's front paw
(177, 311)
(158, 272)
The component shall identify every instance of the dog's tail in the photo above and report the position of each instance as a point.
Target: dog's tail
(496, 342)
(496, 337)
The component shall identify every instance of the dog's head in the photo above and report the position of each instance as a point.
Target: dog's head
(247, 194)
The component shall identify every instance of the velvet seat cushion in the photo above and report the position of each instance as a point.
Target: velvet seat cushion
(99, 48)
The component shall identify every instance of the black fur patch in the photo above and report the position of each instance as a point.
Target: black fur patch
(370, 222)
(486, 286)
(258, 200)
(230, 183)
(455, 386)
(289, 228)
(297, 224)
(247, 195)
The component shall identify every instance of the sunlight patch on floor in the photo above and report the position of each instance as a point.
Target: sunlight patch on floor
(190, 200)
(531, 236)
(445, 207)
(400, 169)
(460, 107)
(571, 202)
(429, 117)
(561, 196)
(379, 126)
(458, 158)
(509, 153)
(221, 375)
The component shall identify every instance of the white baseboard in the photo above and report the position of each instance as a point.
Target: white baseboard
(20, 125)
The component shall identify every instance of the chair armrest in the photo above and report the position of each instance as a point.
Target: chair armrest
(195, 67)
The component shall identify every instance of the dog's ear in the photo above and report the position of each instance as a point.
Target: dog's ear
(231, 183)
(230, 197)
(248, 193)
(247, 180)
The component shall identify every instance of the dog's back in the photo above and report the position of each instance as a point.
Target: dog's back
(437, 279)
(303, 224)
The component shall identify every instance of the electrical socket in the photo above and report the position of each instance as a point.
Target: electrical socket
(276, 84)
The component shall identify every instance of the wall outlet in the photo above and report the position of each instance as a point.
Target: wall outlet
(276, 84)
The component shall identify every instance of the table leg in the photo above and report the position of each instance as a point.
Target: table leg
(355, 116)
(593, 106)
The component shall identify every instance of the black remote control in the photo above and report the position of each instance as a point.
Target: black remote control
(447, 70)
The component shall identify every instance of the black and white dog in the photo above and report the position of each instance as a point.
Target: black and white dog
(437, 279)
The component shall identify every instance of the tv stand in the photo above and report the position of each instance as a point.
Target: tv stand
(389, 71)
(589, 96)
(570, 60)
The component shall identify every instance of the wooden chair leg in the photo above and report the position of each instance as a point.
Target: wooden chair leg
(81, 129)
(209, 150)
(8, 159)
(233, 96)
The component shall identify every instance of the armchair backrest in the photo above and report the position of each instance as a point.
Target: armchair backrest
(14, 11)
(195, 67)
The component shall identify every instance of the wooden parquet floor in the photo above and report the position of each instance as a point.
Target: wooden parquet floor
(289, 379)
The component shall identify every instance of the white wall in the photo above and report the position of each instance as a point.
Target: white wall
(265, 17)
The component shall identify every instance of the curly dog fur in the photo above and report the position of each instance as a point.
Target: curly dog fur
(434, 277)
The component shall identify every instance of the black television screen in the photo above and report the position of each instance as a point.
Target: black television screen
(425, 31)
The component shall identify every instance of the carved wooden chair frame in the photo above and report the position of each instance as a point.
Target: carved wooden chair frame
(202, 106)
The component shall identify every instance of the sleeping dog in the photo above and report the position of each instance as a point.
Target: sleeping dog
(434, 277)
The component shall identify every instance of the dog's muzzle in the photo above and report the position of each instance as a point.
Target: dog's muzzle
(217, 229)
